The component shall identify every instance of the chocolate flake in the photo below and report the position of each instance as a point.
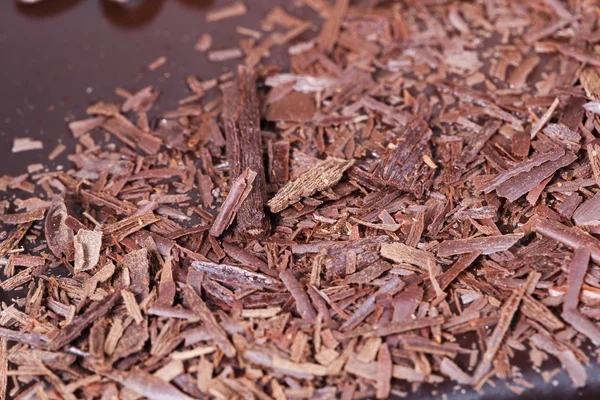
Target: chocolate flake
(244, 149)
(402, 253)
(22, 218)
(303, 305)
(58, 235)
(487, 245)
(72, 331)
(233, 10)
(495, 341)
(232, 274)
(26, 144)
(320, 177)
(200, 308)
(87, 246)
(240, 189)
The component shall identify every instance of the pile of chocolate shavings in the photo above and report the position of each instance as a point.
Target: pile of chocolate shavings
(429, 173)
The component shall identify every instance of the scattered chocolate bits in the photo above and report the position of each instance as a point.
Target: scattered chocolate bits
(413, 201)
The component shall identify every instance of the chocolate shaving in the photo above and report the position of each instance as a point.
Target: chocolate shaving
(402, 253)
(233, 10)
(26, 144)
(521, 184)
(487, 245)
(331, 29)
(495, 341)
(58, 235)
(320, 177)
(244, 149)
(87, 245)
(72, 331)
(219, 335)
(146, 385)
(240, 189)
(22, 218)
(303, 305)
(235, 275)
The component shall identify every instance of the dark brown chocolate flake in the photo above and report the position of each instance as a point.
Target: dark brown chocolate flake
(240, 189)
(72, 331)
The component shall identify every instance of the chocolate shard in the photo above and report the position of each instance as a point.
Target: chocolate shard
(521, 184)
(577, 269)
(571, 237)
(58, 235)
(331, 29)
(234, 275)
(403, 165)
(487, 245)
(244, 149)
(22, 218)
(87, 245)
(401, 253)
(200, 308)
(240, 189)
(522, 167)
(477, 143)
(320, 177)
(147, 385)
(303, 304)
(393, 286)
(495, 341)
(72, 331)
(588, 212)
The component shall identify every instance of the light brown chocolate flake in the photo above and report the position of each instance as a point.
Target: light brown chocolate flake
(72, 331)
(518, 79)
(58, 150)
(132, 306)
(535, 129)
(232, 10)
(234, 275)
(58, 236)
(145, 384)
(156, 64)
(200, 308)
(507, 313)
(384, 372)
(454, 372)
(87, 245)
(204, 43)
(225, 54)
(487, 245)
